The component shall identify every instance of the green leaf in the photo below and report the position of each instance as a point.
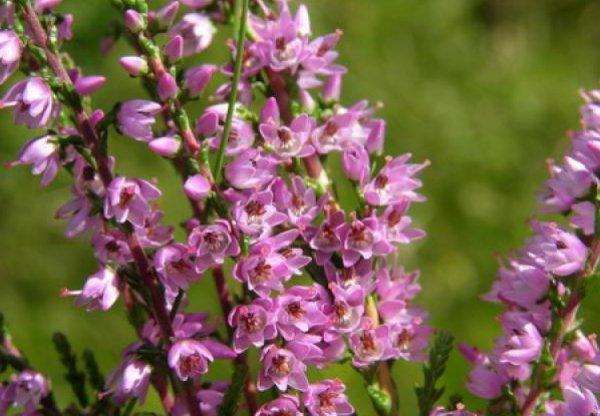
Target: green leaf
(428, 394)
(95, 377)
(233, 395)
(75, 377)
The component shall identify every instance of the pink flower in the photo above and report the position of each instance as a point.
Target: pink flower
(253, 323)
(327, 398)
(210, 125)
(196, 30)
(363, 239)
(523, 347)
(485, 383)
(128, 200)
(286, 141)
(257, 216)
(395, 183)
(33, 101)
(197, 187)
(10, 53)
(283, 368)
(251, 169)
(197, 78)
(130, 379)
(25, 390)
(189, 358)
(42, 153)
(371, 344)
(212, 243)
(285, 404)
(136, 117)
(100, 292)
(300, 310)
(175, 266)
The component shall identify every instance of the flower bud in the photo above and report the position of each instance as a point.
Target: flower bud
(197, 187)
(174, 49)
(45, 5)
(355, 161)
(165, 146)
(134, 21)
(162, 19)
(65, 27)
(89, 85)
(167, 87)
(197, 78)
(332, 88)
(134, 65)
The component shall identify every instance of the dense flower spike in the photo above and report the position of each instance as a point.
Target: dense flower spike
(316, 282)
(541, 287)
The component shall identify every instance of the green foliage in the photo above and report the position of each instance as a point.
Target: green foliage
(428, 394)
(74, 376)
(234, 394)
(382, 402)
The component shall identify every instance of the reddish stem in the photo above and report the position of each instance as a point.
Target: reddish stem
(567, 317)
(91, 139)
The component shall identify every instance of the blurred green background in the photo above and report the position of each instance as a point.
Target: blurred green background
(485, 89)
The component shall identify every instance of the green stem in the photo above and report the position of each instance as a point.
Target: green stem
(243, 17)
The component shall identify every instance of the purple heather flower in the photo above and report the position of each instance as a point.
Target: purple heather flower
(10, 53)
(590, 113)
(300, 309)
(347, 309)
(326, 239)
(134, 21)
(175, 266)
(358, 274)
(298, 200)
(42, 153)
(212, 243)
(370, 344)
(65, 27)
(523, 347)
(189, 358)
(283, 368)
(282, 42)
(589, 377)
(254, 323)
(322, 56)
(332, 89)
(196, 30)
(327, 398)
(396, 284)
(197, 187)
(134, 65)
(25, 390)
(363, 239)
(136, 117)
(100, 291)
(395, 183)
(197, 78)
(130, 379)
(285, 404)
(396, 225)
(578, 402)
(584, 217)
(586, 148)
(336, 132)
(163, 18)
(167, 146)
(485, 383)
(568, 183)
(128, 200)
(555, 249)
(521, 284)
(33, 101)
(252, 169)
(154, 233)
(286, 141)
(270, 263)
(167, 87)
(89, 84)
(410, 334)
(355, 161)
(210, 125)
(46, 5)
(257, 216)
(174, 49)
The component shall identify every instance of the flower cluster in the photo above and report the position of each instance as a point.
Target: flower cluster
(541, 287)
(273, 222)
